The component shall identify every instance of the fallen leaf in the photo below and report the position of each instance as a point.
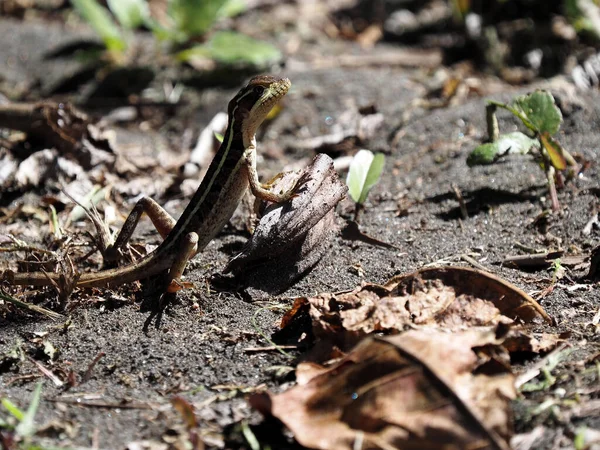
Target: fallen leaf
(452, 298)
(291, 237)
(518, 340)
(401, 392)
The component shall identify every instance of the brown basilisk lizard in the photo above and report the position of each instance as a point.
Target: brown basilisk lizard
(232, 170)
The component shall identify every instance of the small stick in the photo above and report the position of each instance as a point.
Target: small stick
(30, 307)
(88, 373)
(461, 202)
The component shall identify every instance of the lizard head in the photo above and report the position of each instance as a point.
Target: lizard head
(252, 104)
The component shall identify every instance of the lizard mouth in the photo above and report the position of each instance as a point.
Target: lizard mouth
(273, 93)
(277, 90)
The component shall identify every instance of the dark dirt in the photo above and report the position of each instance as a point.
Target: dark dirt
(197, 347)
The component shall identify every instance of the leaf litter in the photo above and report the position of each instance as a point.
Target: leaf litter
(394, 392)
(403, 390)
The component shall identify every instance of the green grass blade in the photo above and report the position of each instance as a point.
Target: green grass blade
(27, 426)
(130, 13)
(195, 17)
(12, 409)
(101, 21)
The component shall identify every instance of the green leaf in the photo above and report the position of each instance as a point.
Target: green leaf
(233, 8)
(365, 171)
(579, 18)
(12, 409)
(540, 110)
(162, 33)
(516, 142)
(219, 136)
(228, 47)
(101, 21)
(130, 13)
(195, 17)
(555, 151)
(483, 154)
(489, 153)
(27, 426)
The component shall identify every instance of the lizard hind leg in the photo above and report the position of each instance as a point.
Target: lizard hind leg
(161, 219)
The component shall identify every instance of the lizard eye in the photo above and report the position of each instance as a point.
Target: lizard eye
(258, 90)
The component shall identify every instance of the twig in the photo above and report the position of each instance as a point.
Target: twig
(46, 372)
(88, 373)
(18, 246)
(535, 260)
(400, 58)
(536, 369)
(474, 262)
(30, 307)
(550, 172)
(150, 406)
(461, 202)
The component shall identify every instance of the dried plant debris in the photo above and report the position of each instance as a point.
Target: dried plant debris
(517, 340)
(292, 237)
(452, 298)
(402, 392)
(353, 128)
(58, 125)
(63, 144)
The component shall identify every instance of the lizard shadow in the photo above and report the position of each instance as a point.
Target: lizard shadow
(481, 200)
(154, 300)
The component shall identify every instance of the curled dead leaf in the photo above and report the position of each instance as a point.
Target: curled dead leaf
(291, 237)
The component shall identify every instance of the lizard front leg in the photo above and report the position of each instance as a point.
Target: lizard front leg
(188, 249)
(263, 191)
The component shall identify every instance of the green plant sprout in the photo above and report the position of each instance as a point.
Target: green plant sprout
(365, 171)
(25, 427)
(539, 113)
(187, 19)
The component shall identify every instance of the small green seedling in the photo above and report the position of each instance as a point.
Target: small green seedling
(102, 23)
(539, 113)
(365, 171)
(228, 47)
(25, 427)
(187, 19)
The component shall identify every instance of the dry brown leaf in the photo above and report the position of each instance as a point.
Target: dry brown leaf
(518, 340)
(402, 392)
(291, 238)
(449, 297)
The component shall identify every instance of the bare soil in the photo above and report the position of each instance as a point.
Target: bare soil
(198, 347)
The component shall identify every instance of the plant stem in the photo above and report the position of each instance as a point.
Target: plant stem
(358, 209)
(552, 187)
(517, 113)
(492, 122)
